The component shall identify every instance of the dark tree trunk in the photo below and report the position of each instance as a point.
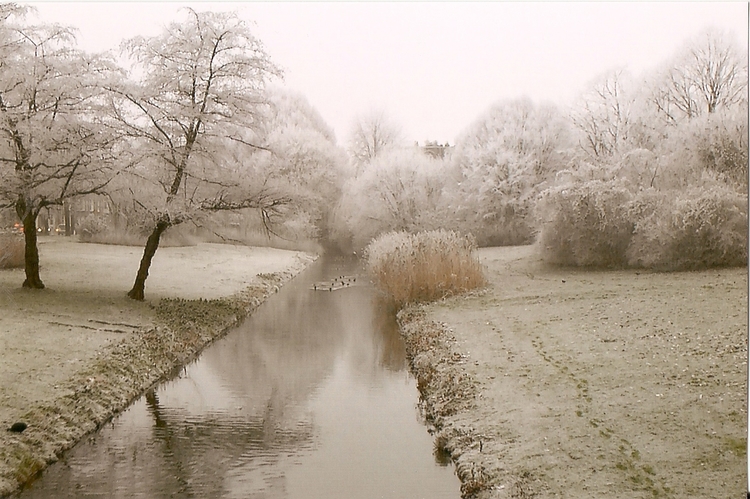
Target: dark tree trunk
(31, 254)
(68, 218)
(137, 293)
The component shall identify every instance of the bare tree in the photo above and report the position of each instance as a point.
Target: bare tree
(55, 143)
(191, 116)
(710, 72)
(603, 115)
(371, 135)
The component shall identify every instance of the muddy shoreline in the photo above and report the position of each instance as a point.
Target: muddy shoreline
(123, 371)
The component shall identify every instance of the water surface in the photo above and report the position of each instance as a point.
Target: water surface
(310, 398)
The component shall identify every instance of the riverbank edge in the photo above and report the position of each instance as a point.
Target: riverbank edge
(123, 371)
(447, 390)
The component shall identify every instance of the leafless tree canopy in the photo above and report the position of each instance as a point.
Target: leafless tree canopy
(709, 73)
(56, 141)
(371, 135)
(192, 110)
(603, 115)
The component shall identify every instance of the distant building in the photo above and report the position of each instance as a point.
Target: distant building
(63, 220)
(436, 150)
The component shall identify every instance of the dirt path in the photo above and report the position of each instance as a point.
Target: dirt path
(569, 383)
(77, 352)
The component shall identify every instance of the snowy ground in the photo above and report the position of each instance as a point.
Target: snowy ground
(570, 383)
(49, 337)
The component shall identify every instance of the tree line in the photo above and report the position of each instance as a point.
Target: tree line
(182, 126)
(190, 124)
(642, 171)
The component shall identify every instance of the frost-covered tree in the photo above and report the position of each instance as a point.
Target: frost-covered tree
(192, 113)
(500, 160)
(665, 183)
(692, 114)
(56, 142)
(603, 115)
(708, 73)
(399, 190)
(371, 135)
(304, 161)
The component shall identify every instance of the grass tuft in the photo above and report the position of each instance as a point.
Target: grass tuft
(422, 267)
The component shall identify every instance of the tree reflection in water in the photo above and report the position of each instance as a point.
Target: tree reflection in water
(309, 398)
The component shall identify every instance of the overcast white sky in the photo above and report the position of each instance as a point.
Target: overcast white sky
(433, 67)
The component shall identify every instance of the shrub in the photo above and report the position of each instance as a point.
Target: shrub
(585, 224)
(90, 226)
(507, 223)
(12, 249)
(719, 142)
(401, 190)
(694, 229)
(424, 266)
(115, 237)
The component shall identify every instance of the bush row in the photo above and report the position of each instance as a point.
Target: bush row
(602, 224)
(424, 266)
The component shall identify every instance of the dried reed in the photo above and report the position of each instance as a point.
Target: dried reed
(422, 267)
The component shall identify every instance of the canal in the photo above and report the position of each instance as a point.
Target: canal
(309, 398)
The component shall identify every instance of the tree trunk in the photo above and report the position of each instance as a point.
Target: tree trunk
(148, 254)
(68, 218)
(31, 255)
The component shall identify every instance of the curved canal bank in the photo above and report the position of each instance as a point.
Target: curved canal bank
(108, 349)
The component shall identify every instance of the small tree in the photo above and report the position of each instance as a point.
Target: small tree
(191, 116)
(55, 142)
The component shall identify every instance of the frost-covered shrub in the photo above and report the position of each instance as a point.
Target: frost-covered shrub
(720, 144)
(401, 190)
(12, 249)
(91, 225)
(424, 266)
(585, 224)
(692, 229)
(502, 160)
(712, 146)
(511, 224)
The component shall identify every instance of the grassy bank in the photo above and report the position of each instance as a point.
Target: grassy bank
(80, 351)
(557, 382)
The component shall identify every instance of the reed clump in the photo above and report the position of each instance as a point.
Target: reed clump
(422, 267)
(12, 248)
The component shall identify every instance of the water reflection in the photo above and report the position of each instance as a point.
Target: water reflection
(310, 398)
